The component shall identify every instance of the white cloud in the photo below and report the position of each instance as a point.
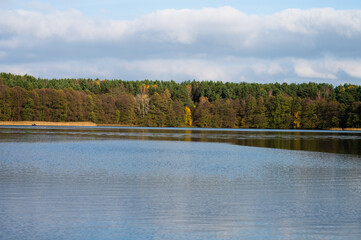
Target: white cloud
(317, 21)
(11, 43)
(192, 69)
(328, 68)
(351, 67)
(140, 69)
(236, 70)
(70, 25)
(210, 43)
(39, 6)
(270, 68)
(304, 69)
(221, 26)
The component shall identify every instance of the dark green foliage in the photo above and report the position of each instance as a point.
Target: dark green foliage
(223, 114)
(354, 116)
(163, 103)
(280, 112)
(5, 111)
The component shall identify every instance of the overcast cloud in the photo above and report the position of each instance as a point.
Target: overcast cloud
(223, 44)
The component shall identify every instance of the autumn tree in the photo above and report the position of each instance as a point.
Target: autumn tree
(142, 100)
(5, 109)
(168, 103)
(126, 105)
(202, 114)
(187, 117)
(223, 114)
(179, 114)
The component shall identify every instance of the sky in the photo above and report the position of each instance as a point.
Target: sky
(237, 41)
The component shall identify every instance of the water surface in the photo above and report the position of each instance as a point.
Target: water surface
(346, 142)
(120, 183)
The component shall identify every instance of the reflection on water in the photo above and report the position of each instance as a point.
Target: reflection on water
(68, 183)
(319, 141)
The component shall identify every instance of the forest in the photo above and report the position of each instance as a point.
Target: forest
(205, 104)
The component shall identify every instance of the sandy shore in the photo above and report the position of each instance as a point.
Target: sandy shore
(41, 123)
(114, 125)
(345, 129)
(352, 129)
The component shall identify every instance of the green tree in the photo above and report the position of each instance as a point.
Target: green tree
(280, 112)
(354, 116)
(309, 114)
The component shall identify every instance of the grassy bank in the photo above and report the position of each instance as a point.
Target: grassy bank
(42, 123)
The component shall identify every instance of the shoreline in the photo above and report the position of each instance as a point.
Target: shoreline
(43, 123)
(344, 129)
(91, 124)
(114, 125)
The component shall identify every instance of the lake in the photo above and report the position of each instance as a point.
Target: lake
(164, 183)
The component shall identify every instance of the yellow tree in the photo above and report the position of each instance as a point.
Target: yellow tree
(98, 82)
(296, 121)
(187, 117)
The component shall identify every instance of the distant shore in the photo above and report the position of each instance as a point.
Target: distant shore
(42, 123)
(91, 124)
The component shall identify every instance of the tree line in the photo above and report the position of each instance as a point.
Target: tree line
(189, 103)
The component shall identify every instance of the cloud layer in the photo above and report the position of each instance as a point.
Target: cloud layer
(211, 43)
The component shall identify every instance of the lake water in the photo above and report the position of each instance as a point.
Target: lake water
(149, 183)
